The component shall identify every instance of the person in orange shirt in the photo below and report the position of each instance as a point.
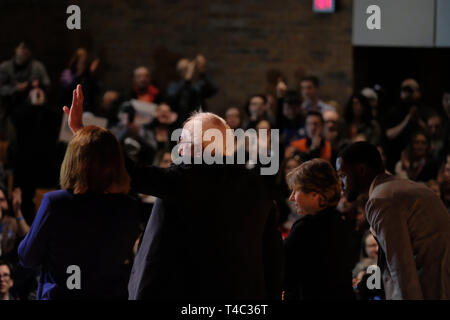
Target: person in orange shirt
(314, 145)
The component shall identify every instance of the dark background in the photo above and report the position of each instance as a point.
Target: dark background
(247, 43)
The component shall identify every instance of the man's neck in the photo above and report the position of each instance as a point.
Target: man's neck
(372, 184)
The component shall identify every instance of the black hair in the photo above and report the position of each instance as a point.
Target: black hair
(316, 114)
(3, 188)
(367, 113)
(315, 81)
(292, 98)
(4, 262)
(362, 153)
(247, 106)
(27, 43)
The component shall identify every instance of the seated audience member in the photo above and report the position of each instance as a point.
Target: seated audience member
(13, 226)
(360, 270)
(435, 130)
(333, 131)
(129, 135)
(23, 80)
(318, 254)
(13, 229)
(314, 145)
(233, 118)
(290, 117)
(368, 257)
(81, 70)
(93, 201)
(310, 92)
(355, 214)
(257, 110)
(372, 96)
(190, 92)
(143, 90)
(416, 163)
(446, 107)
(6, 281)
(24, 86)
(360, 280)
(358, 117)
(444, 182)
(369, 246)
(287, 211)
(444, 171)
(165, 160)
(156, 134)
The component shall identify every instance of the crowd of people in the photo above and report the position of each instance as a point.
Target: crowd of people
(328, 240)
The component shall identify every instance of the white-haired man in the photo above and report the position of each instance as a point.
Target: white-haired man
(212, 233)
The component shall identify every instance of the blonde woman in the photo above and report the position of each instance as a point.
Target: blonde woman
(318, 249)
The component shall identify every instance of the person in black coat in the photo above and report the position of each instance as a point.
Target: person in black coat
(318, 249)
(213, 233)
(82, 237)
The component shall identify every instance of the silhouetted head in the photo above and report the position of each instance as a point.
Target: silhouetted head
(357, 165)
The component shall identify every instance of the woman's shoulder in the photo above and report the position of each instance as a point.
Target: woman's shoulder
(58, 195)
(302, 224)
(67, 195)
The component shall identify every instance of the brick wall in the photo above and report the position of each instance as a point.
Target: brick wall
(244, 41)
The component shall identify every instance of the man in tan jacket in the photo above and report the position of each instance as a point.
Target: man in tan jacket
(409, 221)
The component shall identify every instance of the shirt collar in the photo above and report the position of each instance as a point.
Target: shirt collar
(372, 185)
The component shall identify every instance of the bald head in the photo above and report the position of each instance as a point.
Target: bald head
(208, 130)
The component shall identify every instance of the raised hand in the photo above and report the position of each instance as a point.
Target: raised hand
(17, 200)
(75, 113)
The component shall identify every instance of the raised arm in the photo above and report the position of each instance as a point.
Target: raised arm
(32, 249)
(75, 113)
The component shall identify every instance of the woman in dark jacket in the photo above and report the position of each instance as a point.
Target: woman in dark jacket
(83, 236)
(318, 250)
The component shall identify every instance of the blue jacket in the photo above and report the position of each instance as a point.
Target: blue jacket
(94, 233)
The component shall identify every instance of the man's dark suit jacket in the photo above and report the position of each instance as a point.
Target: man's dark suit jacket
(211, 235)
